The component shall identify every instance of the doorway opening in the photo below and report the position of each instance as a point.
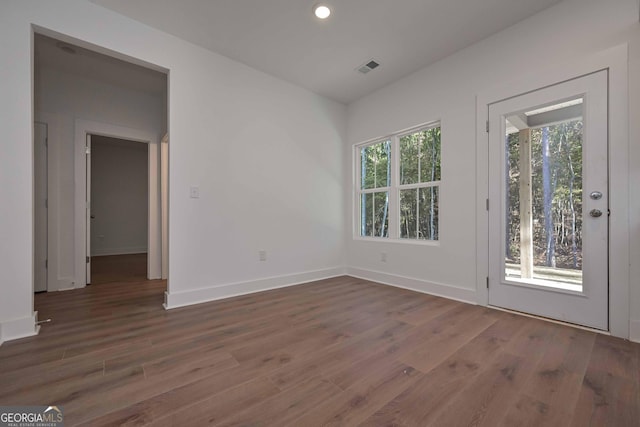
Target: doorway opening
(118, 191)
(118, 105)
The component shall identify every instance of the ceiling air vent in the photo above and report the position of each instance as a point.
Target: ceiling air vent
(365, 68)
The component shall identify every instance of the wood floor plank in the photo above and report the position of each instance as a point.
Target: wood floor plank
(219, 407)
(183, 408)
(55, 373)
(276, 341)
(375, 388)
(86, 407)
(549, 397)
(341, 351)
(217, 338)
(532, 412)
(483, 400)
(421, 403)
(429, 309)
(75, 396)
(28, 359)
(609, 389)
(340, 356)
(287, 406)
(439, 343)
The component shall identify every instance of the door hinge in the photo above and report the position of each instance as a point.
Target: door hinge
(87, 150)
(46, 203)
(487, 204)
(487, 126)
(88, 259)
(46, 263)
(487, 282)
(46, 142)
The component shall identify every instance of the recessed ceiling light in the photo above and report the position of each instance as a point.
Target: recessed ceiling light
(322, 11)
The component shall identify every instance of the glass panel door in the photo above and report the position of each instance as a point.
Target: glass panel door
(548, 226)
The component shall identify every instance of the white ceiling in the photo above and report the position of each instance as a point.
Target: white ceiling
(283, 38)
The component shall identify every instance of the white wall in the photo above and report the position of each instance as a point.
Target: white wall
(447, 91)
(271, 159)
(60, 99)
(266, 155)
(119, 196)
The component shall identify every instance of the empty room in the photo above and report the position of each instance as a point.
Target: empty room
(352, 212)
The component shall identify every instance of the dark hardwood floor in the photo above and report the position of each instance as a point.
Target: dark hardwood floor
(341, 351)
(118, 268)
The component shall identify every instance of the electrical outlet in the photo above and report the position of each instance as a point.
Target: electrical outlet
(194, 192)
(262, 255)
(383, 257)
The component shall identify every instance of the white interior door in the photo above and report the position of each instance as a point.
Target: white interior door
(88, 211)
(548, 191)
(40, 207)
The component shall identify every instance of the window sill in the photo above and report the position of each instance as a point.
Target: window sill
(433, 243)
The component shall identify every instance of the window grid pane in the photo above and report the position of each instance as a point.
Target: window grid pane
(428, 213)
(420, 156)
(408, 213)
(419, 213)
(415, 204)
(374, 211)
(375, 165)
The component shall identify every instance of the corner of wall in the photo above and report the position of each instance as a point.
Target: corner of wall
(19, 328)
(426, 287)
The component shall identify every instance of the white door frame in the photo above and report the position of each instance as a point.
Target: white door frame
(84, 127)
(41, 235)
(87, 213)
(615, 60)
(164, 200)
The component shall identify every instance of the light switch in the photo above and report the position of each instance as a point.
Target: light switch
(194, 192)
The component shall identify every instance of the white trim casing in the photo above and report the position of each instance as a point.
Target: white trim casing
(615, 60)
(164, 201)
(84, 127)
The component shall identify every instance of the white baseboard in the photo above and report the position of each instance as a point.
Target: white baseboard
(634, 331)
(19, 328)
(197, 296)
(418, 285)
(120, 251)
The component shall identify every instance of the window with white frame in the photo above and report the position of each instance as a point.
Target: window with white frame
(398, 183)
